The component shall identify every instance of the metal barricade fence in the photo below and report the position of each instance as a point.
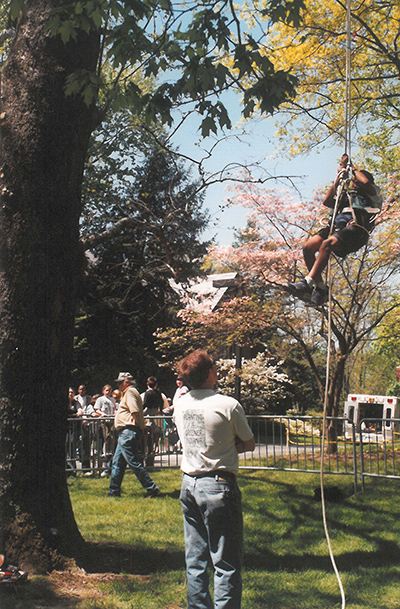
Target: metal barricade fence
(379, 441)
(91, 442)
(295, 444)
(286, 443)
(282, 443)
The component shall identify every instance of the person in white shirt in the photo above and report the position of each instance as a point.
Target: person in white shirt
(84, 399)
(213, 429)
(105, 407)
(180, 390)
(85, 409)
(105, 404)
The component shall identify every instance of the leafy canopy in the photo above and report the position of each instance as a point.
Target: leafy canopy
(195, 50)
(315, 52)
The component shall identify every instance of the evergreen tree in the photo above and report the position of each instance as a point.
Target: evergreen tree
(126, 293)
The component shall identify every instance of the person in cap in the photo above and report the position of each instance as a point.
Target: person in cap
(130, 425)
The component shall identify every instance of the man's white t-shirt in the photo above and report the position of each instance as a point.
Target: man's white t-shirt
(208, 424)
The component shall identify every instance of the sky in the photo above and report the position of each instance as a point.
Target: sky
(308, 173)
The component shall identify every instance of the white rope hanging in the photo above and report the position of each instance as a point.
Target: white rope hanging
(328, 358)
(347, 135)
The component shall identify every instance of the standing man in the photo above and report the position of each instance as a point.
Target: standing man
(129, 423)
(213, 430)
(105, 407)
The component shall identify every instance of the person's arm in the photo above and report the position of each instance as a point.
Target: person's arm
(138, 420)
(134, 403)
(245, 445)
(329, 198)
(365, 185)
(98, 405)
(244, 438)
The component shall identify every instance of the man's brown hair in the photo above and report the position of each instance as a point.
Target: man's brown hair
(195, 368)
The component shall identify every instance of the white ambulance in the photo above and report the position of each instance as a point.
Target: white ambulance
(372, 414)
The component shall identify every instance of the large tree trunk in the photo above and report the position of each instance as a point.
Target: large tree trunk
(44, 141)
(334, 394)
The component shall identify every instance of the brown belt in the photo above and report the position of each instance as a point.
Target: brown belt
(217, 474)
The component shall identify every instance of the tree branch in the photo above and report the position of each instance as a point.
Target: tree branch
(92, 241)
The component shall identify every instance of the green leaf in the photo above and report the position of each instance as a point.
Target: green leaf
(17, 8)
(207, 125)
(97, 17)
(67, 31)
(288, 11)
(206, 79)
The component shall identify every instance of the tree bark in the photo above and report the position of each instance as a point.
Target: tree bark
(44, 139)
(334, 395)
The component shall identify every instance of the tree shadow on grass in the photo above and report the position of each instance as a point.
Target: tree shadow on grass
(296, 513)
(110, 557)
(35, 594)
(387, 555)
(117, 558)
(294, 509)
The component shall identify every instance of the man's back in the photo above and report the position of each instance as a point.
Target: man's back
(208, 424)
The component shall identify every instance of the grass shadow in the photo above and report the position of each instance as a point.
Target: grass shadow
(294, 509)
(34, 594)
(108, 557)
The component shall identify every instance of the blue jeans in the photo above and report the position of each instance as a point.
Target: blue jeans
(213, 525)
(126, 453)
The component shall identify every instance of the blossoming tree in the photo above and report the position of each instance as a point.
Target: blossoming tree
(269, 255)
(263, 384)
(363, 285)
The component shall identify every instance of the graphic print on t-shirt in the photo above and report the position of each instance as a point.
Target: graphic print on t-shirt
(194, 429)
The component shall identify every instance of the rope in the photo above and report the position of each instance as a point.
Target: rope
(341, 185)
(348, 82)
(324, 433)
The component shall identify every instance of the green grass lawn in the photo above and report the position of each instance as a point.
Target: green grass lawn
(286, 563)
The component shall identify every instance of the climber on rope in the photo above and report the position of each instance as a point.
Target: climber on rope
(356, 201)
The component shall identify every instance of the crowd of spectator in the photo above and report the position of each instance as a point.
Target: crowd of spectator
(93, 443)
